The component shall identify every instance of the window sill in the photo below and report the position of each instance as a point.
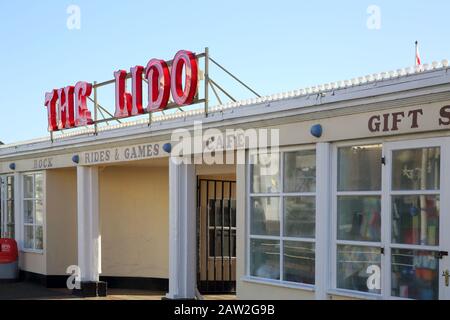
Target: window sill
(275, 283)
(354, 294)
(32, 251)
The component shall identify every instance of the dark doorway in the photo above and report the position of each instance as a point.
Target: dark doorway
(216, 236)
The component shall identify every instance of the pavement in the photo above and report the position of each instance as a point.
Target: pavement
(32, 291)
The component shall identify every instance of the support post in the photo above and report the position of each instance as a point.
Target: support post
(18, 202)
(206, 81)
(182, 231)
(89, 239)
(323, 191)
(95, 108)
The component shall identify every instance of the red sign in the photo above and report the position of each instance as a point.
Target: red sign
(67, 107)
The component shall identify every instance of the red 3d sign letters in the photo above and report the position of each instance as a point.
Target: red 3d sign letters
(184, 96)
(127, 104)
(158, 77)
(67, 107)
(123, 98)
(136, 84)
(66, 110)
(51, 98)
(82, 114)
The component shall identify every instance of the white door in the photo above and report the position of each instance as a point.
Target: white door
(416, 214)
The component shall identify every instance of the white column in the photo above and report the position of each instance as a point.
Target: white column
(182, 231)
(323, 216)
(18, 202)
(89, 240)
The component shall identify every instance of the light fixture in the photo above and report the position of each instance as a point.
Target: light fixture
(316, 130)
(76, 159)
(167, 147)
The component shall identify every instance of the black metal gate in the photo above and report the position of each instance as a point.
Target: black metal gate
(216, 236)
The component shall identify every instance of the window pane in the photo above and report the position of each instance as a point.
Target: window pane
(10, 188)
(10, 211)
(265, 174)
(299, 262)
(415, 274)
(215, 243)
(359, 268)
(415, 220)
(359, 168)
(265, 258)
(265, 216)
(39, 181)
(300, 217)
(28, 186)
(359, 218)
(39, 212)
(28, 211)
(300, 171)
(39, 241)
(416, 169)
(28, 237)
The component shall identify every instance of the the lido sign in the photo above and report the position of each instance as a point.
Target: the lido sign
(67, 107)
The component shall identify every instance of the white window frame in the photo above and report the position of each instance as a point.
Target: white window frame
(22, 213)
(333, 289)
(387, 147)
(444, 216)
(281, 238)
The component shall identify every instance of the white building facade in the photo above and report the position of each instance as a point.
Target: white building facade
(357, 208)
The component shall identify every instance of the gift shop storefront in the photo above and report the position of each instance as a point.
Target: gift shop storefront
(356, 204)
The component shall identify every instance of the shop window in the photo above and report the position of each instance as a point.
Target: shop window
(415, 274)
(7, 207)
(415, 213)
(359, 168)
(33, 219)
(416, 169)
(353, 263)
(412, 203)
(282, 217)
(358, 210)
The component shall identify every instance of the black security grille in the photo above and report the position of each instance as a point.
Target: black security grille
(216, 237)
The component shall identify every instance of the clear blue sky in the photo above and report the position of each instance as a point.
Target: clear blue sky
(273, 45)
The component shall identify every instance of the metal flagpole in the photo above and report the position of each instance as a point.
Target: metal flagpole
(416, 54)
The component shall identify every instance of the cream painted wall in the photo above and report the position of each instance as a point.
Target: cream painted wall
(257, 291)
(61, 220)
(134, 221)
(32, 262)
